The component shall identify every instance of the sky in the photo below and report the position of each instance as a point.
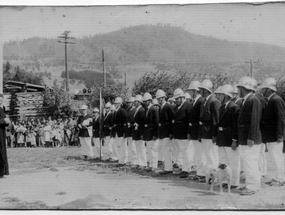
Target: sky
(264, 23)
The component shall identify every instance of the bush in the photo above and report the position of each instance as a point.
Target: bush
(168, 82)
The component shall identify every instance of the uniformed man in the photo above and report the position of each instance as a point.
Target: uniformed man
(194, 124)
(107, 148)
(159, 148)
(180, 131)
(273, 120)
(151, 132)
(166, 113)
(218, 92)
(188, 97)
(113, 144)
(227, 134)
(96, 133)
(172, 102)
(249, 135)
(84, 124)
(262, 157)
(177, 162)
(138, 130)
(120, 121)
(209, 118)
(236, 98)
(132, 151)
(4, 121)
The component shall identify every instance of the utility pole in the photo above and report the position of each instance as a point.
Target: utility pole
(251, 67)
(104, 73)
(125, 79)
(65, 37)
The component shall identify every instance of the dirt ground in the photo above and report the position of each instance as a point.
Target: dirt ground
(57, 178)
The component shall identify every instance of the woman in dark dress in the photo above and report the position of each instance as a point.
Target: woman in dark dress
(4, 168)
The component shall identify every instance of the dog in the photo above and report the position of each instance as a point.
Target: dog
(223, 172)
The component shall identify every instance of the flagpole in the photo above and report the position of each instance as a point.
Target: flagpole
(101, 123)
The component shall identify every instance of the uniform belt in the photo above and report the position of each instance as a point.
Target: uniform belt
(192, 124)
(242, 126)
(148, 125)
(177, 122)
(118, 124)
(205, 123)
(131, 124)
(165, 123)
(224, 128)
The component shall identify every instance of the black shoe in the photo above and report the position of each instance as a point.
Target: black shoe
(195, 178)
(202, 179)
(184, 174)
(165, 172)
(175, 165)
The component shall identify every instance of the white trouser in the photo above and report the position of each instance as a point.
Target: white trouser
(86, 146)
(250, 157)
(160, 151)
(107, 148)
(166, 151)
(262, 160)
(132, 151)
(232, 159)
(122, 149)
(114, 147)
(152, 147)
(96, 148)
(176, 154)
(198, 152)
(200, 156)
(276, 155)
(210, 151)
(186, 149)
(141, 152)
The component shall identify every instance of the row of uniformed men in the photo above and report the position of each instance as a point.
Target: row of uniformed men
(215, 127)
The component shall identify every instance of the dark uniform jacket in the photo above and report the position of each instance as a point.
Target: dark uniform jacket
(120, 120)
(273, 120)
(151, 123)
(107, 124)
(130, 122)
(4, 167)
(209, 118)
(227, 126)
(180, 125)
(249, 121)
(96, 127)
(165, 121)
(83, 131)
(139, 120)
(194, 118)
(263, 105)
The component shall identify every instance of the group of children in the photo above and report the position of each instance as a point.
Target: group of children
(42, 133)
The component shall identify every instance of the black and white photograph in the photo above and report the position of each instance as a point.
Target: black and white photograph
(143, 106)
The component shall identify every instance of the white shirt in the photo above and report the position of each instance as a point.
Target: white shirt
(207, 98)
(270, 96)
(163, 105)
(196, 99)
(245, 98)
(227, 103)
(181, 104)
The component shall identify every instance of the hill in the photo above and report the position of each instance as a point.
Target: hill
(139, 49)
